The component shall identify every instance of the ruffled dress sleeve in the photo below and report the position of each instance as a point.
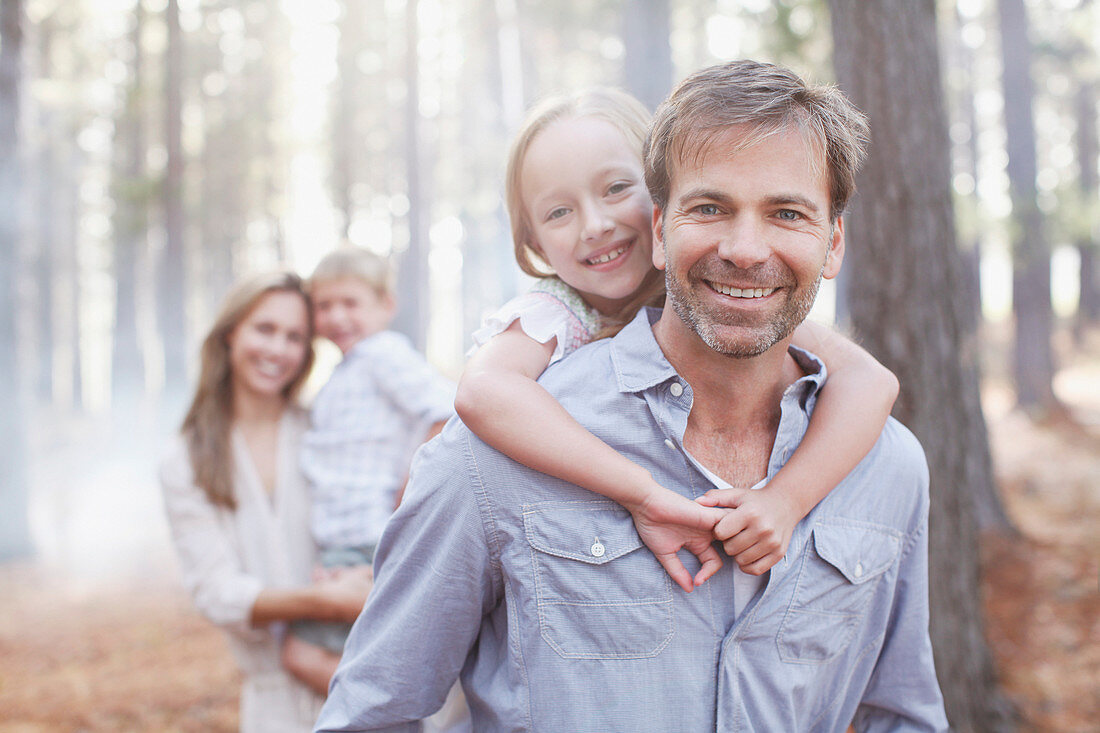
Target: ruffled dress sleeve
(549, 309)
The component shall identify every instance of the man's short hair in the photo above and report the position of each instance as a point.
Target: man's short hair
(768, 100)
(357, 263)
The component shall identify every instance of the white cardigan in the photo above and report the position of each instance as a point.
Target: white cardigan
(227, 557)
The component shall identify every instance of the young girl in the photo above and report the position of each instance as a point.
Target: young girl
(579, 207)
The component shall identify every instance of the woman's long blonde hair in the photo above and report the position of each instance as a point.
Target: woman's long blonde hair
(632, 119)
(206, 428)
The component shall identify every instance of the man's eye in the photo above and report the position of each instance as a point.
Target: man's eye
(788, 215)
(708, 210)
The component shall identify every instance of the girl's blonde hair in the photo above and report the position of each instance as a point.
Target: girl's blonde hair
(632, 119)
(206, 428)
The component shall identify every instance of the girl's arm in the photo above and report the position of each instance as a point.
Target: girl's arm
(497, 397)
(851, 411)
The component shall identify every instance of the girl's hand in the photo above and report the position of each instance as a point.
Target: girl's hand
(667, 523)
(758, 530)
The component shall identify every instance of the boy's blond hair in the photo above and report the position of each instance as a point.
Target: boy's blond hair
(372, 270)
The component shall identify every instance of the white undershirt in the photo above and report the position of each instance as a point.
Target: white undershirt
(745, 586)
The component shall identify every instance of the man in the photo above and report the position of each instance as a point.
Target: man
(541, 595)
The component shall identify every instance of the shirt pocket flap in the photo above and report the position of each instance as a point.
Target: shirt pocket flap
(859, 552)
(591, 532)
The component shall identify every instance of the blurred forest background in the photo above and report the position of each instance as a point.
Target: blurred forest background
(152, 151)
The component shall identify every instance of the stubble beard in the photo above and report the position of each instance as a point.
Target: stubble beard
(757, 336)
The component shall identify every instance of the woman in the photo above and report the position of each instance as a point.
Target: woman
(238, 507)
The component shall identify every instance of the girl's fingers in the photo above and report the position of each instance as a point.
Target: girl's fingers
(753, 554)
(729, 526)
(676, 570)
(730, 498)
(762, 565)
(711, 562)
(744, 542)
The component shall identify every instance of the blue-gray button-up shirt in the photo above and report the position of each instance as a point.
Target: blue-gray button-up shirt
(540, 596)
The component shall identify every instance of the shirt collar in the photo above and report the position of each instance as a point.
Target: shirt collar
(638, 359)
(362, 346)
(640, 364)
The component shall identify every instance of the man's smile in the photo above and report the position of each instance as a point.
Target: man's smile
(735, 292)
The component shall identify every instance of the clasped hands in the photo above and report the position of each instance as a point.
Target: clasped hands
(753, 526)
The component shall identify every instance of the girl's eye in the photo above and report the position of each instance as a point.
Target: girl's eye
(618, 187)
(265, 328)
(788, 215)
(557, 213)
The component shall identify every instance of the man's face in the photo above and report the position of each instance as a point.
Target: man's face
(745, 239)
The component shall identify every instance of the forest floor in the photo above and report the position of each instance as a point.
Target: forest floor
(122, 649)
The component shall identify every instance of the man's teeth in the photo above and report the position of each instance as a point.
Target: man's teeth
(743, 292)
(613, 254)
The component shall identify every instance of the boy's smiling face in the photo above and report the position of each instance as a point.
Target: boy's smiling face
(347, 310)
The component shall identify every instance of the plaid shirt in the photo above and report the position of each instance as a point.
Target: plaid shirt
(365, 425)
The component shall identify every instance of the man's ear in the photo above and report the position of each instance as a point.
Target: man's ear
(658, 238)
(835, 255)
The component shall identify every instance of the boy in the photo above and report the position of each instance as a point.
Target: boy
(381, 402)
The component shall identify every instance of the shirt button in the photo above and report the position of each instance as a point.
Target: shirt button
(676, 389)
(859, 570)
(670, 444)
(598, 549)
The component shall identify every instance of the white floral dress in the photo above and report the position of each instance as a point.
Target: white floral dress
(549, 309)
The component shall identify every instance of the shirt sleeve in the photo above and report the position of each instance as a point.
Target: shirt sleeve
(408, 380)
(435, 580)
(211, 569)
(903, 693)
(541, 317)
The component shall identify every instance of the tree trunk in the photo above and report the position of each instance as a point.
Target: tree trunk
(347, 140)
(173, 263)
(15, 536)
(972, 244)
(412, 275)
(908, 306)
(647, 63)
(1034, 358)
(47, 182)
(131, 224)
(1088, 307)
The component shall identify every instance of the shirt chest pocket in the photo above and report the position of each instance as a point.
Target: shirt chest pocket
(600, 593)
(841, 569)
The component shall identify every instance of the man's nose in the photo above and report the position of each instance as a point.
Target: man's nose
(597, 222)
(744, 244)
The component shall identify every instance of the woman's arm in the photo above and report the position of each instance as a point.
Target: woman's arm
(222, 589)
(498, 398)
(851, 411)
(339, 598)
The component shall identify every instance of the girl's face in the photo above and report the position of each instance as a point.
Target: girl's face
(267, 349)
(590, 215)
